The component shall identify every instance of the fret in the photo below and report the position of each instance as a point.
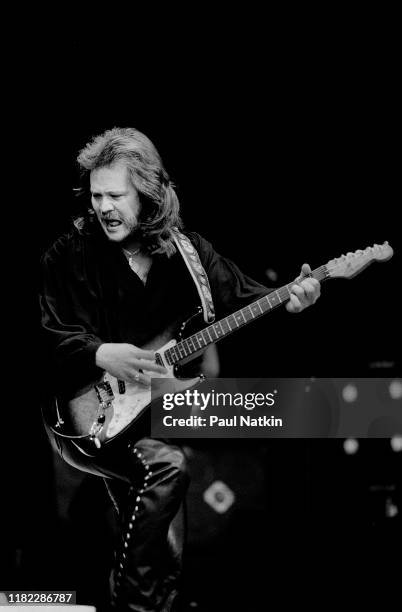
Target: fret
(279, 297)
(256, 309)
(195, 340)
(200, 338)
(251, 312)
(228, 328)
(259, 306)
(180, 348)
(238, 319)
(228, 322)
(213, 333)
(190, 345)
(284, 293)
(268, 302)
(207, 331)
(325, 273)
(218, 330)
(273, 301)
(248, 314)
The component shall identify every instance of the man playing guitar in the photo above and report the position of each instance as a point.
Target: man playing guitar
(114, 291)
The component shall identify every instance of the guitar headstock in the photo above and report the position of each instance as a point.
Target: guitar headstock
(351, 264)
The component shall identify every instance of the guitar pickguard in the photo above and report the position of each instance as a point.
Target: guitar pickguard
(124, 408)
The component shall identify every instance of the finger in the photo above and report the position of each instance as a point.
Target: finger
(142, 354)
(294, 304)
(312, 282)
(305, 269)
(297, 290)
(308, 288)
(312, 288)
(151, 366)
(139, 378)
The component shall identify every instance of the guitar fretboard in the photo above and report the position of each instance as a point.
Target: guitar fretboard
(216, 331)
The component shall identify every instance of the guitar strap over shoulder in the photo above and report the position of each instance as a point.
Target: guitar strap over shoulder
(198, 274)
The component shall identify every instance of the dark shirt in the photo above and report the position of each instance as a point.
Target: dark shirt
(91, 296)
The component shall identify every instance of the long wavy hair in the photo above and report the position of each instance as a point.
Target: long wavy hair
(160, 211)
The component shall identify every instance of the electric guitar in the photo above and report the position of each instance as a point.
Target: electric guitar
(102, 411)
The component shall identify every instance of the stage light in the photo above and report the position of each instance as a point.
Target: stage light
(271, 274)
(396, 443)
(350, 446)
(395, 389)
(391, 509)
(219, 496)
(349, 393)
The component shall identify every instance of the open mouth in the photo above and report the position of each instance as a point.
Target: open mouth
(111, 223)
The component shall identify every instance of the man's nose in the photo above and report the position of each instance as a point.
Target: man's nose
(106, 205)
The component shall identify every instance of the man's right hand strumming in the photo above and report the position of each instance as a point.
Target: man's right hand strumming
(128, 362)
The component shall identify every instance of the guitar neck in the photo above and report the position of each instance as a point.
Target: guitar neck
(216, 331)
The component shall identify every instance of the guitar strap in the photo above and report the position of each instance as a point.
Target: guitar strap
(198, 274)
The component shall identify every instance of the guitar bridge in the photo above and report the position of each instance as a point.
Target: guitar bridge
(105, 393)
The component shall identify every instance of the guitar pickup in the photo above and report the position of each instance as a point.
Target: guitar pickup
(158, 360)
(122, 386)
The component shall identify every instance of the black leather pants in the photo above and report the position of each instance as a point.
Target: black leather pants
(147, 480)
(148, 560)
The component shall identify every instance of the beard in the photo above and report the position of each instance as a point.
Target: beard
(121, 229)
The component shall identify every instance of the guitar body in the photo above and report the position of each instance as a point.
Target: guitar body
(79, 416)
(125, 408)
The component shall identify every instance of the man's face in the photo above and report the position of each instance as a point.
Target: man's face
(115, 201)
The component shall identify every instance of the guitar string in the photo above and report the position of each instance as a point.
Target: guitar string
(321, 273)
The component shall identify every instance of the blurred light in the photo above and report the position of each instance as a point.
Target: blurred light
(395, 389)
(271, 274)
(349, 393)
(376, 365)
(219, 496)
(307, 388)
(391, 510)
(350, 446)
(396, 443)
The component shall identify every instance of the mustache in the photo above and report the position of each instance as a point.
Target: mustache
(110, 217)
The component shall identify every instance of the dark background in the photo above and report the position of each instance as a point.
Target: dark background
(278, 159)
